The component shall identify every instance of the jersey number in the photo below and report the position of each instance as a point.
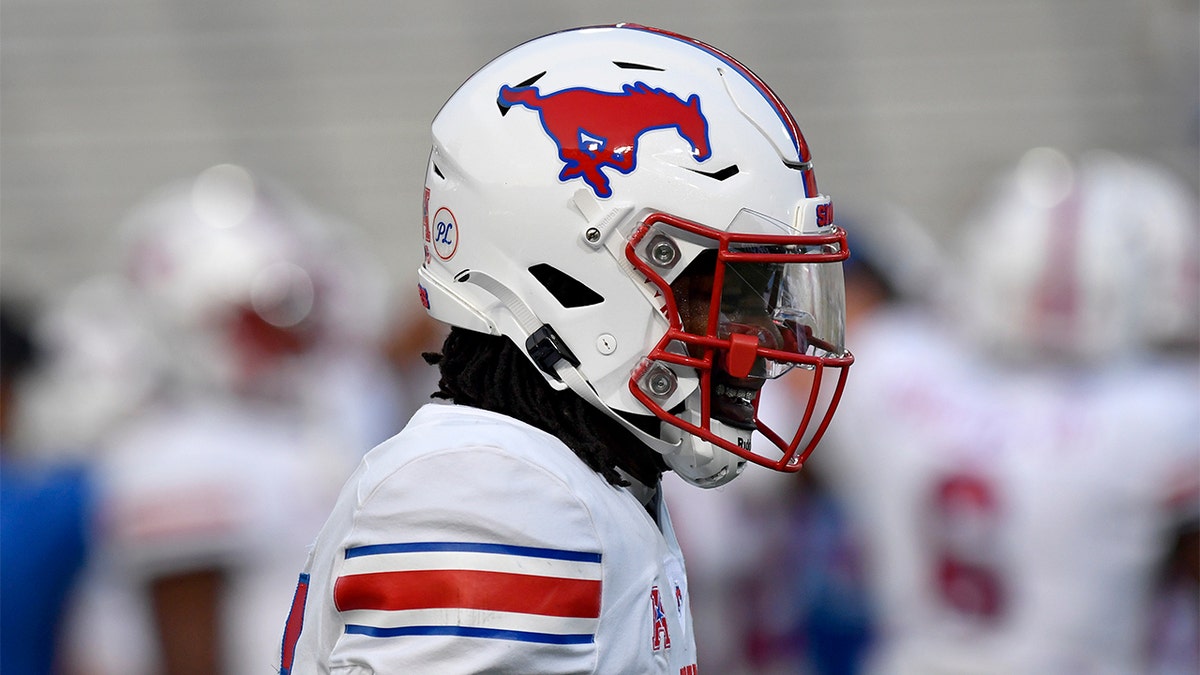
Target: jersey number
(295, 621)
(966, 572)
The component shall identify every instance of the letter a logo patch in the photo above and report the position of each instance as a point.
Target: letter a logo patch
(662, 636)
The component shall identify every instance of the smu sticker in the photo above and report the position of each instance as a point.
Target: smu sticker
(596, 130)
(445, 233)
(825, 214)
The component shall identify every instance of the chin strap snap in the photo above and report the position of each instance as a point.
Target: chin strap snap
(546, 349)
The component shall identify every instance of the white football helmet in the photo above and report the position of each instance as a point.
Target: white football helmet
(638, 211)
(103, 362)
(1081, 259)
(243, 277)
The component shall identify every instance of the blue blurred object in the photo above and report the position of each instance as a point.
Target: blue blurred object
(44, 524)
(43, 546)
(834, 616)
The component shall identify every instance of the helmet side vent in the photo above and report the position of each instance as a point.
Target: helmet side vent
(438, 172)
(569, 291)
(626, 65)
(720, 174)
(524, 83)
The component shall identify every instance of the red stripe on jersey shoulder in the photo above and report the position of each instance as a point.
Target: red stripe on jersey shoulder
(469, 589)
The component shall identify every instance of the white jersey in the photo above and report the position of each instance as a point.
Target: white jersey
(472, 542)
(1013, 518)
(207, 484)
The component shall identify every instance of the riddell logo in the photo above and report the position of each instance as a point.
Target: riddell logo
(595, 130)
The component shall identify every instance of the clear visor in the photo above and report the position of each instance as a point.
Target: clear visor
(797, 308)
(781, 294)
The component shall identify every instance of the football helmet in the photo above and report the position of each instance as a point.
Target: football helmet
(1080, 259)
(638, 212)
(243, 278)
(102, 362)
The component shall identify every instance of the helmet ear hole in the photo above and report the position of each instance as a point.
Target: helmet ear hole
(567, 290)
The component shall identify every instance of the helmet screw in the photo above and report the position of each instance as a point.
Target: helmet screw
(661, 381)
(663, 251)
(606, 344)
(592, 234)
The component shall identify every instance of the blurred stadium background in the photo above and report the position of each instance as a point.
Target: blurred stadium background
(916, 102)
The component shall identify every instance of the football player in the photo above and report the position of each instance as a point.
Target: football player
(239, 364)
(1028, 458)
(623, 228)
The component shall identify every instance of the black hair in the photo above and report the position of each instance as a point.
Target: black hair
(490, 372)
(18, 353)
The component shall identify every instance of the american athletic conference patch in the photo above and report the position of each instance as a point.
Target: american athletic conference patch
(661, 633)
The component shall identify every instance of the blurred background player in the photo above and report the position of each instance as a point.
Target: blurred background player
(239, 365)
(1030, 457)
(821, 619)
(45, 520)
(817, 617)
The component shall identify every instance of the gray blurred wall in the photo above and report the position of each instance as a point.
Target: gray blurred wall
(917, 102)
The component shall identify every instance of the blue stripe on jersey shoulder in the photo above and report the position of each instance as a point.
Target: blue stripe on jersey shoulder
(471, 547)
(474, 632)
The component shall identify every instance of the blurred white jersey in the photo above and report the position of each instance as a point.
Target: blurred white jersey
(481, 544)
(213, 484)
(1013, 518)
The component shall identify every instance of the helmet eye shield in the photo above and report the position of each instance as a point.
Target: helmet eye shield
(793, 308)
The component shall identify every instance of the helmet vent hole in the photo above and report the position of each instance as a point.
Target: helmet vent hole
(525, 83)
(720, 174)
(438, 172)
(530, 81)
(635, 66)
(569, 291)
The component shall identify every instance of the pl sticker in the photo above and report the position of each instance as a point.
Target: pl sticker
(445, 233)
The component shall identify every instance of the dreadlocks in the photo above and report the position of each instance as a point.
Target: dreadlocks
(489, 372)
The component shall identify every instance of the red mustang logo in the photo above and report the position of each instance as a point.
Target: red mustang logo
(598, 129)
